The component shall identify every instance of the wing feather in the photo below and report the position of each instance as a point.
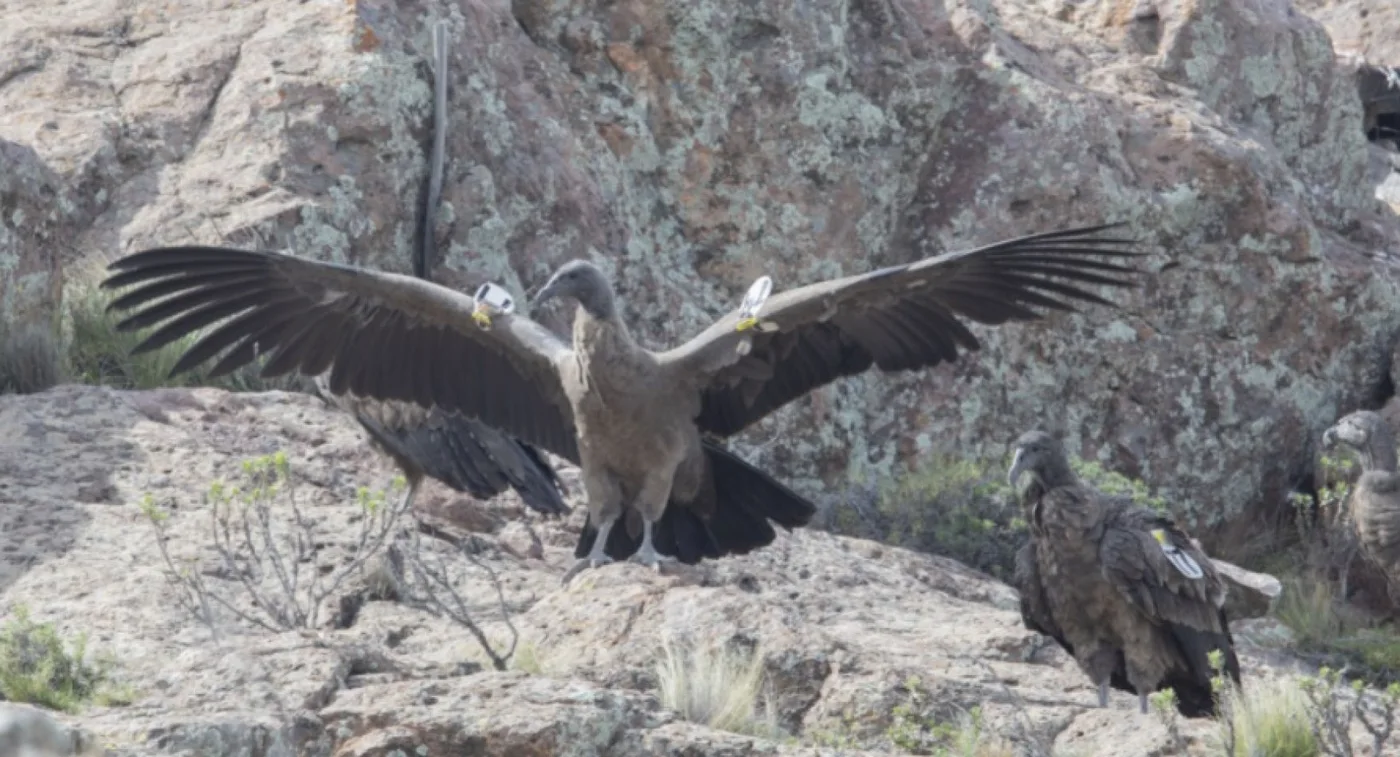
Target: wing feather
(379, 335)
(1137, 566)
(897, 318)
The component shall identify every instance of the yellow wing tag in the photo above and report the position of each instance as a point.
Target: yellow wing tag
(491, 299)
(1179, 560)
(753, 300)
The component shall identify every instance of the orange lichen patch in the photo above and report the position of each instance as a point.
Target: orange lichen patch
(625, 58)
(365, 38)
(699, 164)
(619, 141)
(1122, 13)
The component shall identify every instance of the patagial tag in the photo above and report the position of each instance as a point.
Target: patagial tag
(757, 295)
(1180, 560)
(491, 299)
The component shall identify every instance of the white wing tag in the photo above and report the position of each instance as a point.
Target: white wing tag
(1180, 560)
(491, 298)
(757, 295)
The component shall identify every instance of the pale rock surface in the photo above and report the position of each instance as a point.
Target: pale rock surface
(690, 146)
(27, 731)
(1364, 28)
(842, 624)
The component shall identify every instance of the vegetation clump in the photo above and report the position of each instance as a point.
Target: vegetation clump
(38, 667)
(30, 359)
(719, 688)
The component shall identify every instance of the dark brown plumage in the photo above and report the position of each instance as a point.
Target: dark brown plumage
(463, 453)
(1096, 579)
(459, 451)
(1379, 89)
(643, 425)
(1374, 501)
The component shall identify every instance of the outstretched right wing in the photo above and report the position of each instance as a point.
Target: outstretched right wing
(380, 335)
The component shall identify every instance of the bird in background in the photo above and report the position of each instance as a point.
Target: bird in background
(1120, 586)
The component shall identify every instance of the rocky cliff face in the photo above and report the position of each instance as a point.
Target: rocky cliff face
(690, 146)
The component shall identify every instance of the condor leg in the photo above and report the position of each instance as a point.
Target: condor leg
(652, 504)
(599, 489)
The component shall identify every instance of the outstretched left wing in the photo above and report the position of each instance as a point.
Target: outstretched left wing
(898, 318)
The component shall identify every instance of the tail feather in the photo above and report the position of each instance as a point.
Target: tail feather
(745, 500)
(1195, 697)
(757, 492)
(522, 466)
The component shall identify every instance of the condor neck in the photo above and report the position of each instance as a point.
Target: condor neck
(1380, 453)
(593, 333)
(1057, 473)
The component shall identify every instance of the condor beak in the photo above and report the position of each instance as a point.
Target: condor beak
(1329, 438)
(1018, 467)
(550, 291)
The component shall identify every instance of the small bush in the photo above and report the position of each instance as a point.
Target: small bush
(1325, 533)
(1334, 705)
(97, 353)
(716, 688)
(1306, 716)
(1309, 610)
(960, 509)
(914, 730)
(1113, 483)
(431, 584)
(271, 550)
(1325, 631)
(37, 667)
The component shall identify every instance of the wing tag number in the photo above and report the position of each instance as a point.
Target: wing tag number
(1180, 560)
(491, 298)
(757, 295)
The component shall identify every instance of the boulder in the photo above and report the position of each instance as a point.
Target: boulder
(27, 731)
(1251, 594)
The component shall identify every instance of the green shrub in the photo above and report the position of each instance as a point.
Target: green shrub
(1325, 631)
(263, 533)
(98, 353)
(37, 667)
(960, 509)
(914, 730)
(1111, 482)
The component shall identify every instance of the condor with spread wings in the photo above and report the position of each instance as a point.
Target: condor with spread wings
(644, 426)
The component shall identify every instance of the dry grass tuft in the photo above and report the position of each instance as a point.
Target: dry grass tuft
(717, 688)
(1269, 719)
(30, 360)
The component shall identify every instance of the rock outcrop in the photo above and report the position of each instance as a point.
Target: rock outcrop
(1363, 28)
(36, 223)
(692, 145)
(860, 643)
